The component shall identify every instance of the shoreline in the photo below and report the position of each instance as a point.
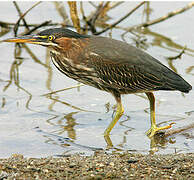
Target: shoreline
(101, 165)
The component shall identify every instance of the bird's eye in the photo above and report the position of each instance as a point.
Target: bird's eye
(51, 38)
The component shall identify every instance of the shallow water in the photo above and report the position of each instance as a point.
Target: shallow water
(36, 124)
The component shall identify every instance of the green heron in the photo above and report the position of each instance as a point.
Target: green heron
(110, 65)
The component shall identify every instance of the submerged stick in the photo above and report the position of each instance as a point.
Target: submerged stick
(178, 130)
(74, 15)
(120, 20)
(163, 18)
(22, 17)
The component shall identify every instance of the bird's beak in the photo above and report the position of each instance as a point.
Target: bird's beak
(32, 39)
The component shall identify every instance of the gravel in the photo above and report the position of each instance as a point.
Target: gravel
(101, 165)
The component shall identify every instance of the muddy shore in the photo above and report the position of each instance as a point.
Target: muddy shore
(99, 166)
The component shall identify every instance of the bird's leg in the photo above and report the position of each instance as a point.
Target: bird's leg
(154, 128)
(118, 114)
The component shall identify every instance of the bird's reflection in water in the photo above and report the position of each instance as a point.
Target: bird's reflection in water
(157, 142)
(160, 141)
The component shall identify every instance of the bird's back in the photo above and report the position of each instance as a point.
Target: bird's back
(124, 67)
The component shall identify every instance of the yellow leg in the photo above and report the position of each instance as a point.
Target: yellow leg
(118, 114)
(154, 128)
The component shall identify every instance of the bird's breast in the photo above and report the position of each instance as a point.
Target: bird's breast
(77, 71)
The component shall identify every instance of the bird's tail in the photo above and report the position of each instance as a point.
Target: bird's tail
(176, 83)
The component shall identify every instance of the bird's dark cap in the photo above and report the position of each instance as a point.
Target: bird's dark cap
(62, 32)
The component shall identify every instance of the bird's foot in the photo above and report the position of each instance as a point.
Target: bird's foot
(154, 129)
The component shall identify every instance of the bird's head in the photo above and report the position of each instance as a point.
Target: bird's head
(49, 38)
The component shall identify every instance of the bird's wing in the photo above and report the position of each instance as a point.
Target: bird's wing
(120, 65)
(128, 78)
